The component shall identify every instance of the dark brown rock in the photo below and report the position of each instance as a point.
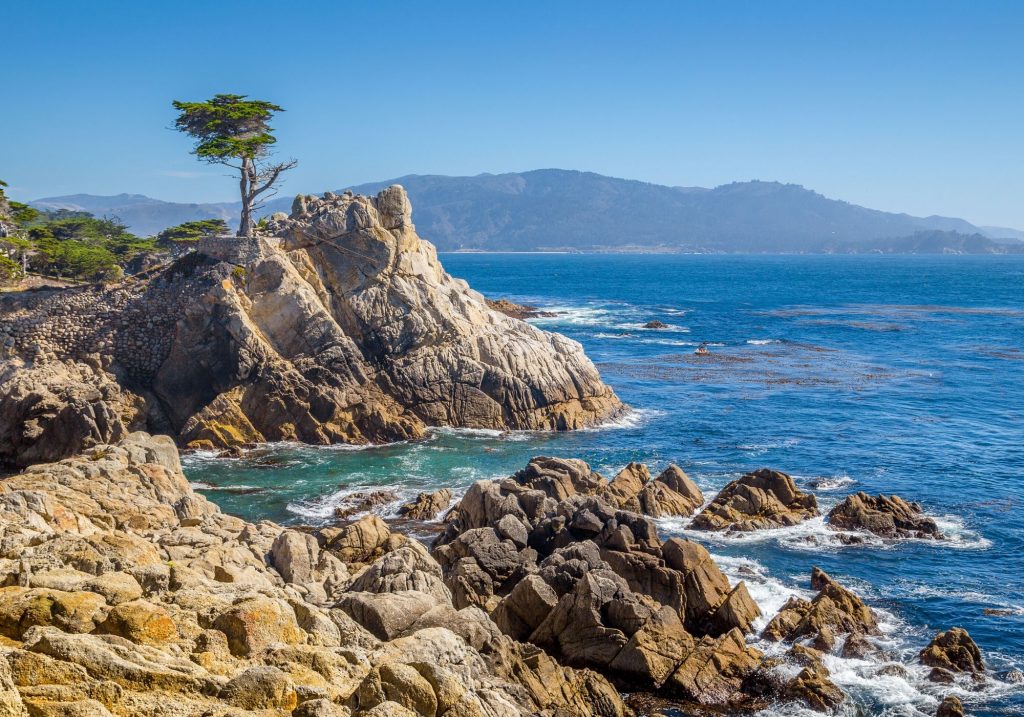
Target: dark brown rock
(759, 500)
(953, 650)
(887, 516)
(427, 506)
(833, 611)
(951, 706)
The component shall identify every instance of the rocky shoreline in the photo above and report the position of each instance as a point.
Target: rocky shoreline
(549, 592)
(337, 325)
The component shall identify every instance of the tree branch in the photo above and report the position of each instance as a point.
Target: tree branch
(270, 175)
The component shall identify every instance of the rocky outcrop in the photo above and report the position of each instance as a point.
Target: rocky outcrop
(123, 592)
(757, 501)
(833, 612)
(340, 326)
(551, 557)
(518, 311)
(427, 506)
(887, 516)
(952, 652)
(52, 410)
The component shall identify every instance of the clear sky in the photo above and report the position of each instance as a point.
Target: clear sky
(903, 106)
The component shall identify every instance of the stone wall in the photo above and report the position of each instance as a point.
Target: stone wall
(132, 324)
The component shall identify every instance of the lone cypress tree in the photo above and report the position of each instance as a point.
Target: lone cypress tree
(234, 131)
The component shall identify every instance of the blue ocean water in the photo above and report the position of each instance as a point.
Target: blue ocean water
(884, 374)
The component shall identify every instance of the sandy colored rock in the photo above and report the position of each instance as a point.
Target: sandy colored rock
(260, 688)
(257, 623)
(142, 622)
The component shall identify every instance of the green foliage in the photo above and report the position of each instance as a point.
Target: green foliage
(23, 214)
(10, 270)
(228, 127)
(82, 247)
(238, 272)
(191, 231)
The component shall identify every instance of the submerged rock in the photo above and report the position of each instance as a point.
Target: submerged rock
(427, 506)
(887, 516)
(342, 327)
(757, 501)
(518, 311)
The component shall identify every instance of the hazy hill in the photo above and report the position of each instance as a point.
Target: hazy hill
(142, 214)
(558, 209)
(936, 241)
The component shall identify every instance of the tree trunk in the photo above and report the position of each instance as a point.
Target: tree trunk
(245, 226)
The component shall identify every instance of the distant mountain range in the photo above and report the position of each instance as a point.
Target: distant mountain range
(553, 209)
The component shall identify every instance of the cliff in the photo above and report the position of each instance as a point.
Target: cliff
(338, 325)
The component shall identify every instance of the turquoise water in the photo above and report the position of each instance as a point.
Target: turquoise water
(884, 374)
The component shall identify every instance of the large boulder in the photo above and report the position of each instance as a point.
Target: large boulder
(954, 651)
(672, 493)
(50, 411)
(834, 611)
(427, 506)
(887, 516)
(759, 500)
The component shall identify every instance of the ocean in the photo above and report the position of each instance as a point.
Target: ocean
(880, 374)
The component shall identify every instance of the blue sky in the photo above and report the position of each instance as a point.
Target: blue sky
(903, 106)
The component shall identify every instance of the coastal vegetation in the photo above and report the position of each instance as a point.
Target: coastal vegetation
(64, 245)
(235, 131)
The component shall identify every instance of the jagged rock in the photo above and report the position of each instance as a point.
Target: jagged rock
(192, 613)
(953, 651)
(624, 489)
(951, 706)
(363, 541)
(715, 671)
(54, 410)
(427, 505)
(409, 567)
(671, 493)
(887, 516)
(655, 324)
(363, 502)
(340, 327)
(813, 687)
(759, 500)
(595, 586)
(833, 611)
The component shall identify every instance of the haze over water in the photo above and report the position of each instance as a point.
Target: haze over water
(883, 374)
